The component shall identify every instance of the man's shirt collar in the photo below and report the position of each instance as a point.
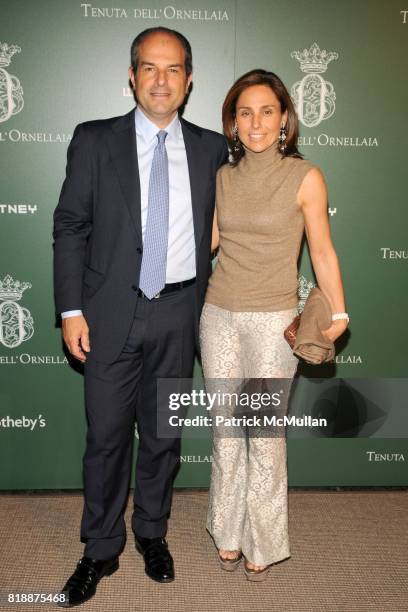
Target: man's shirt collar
(147, 130)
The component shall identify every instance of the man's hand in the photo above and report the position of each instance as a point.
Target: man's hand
(75, 332)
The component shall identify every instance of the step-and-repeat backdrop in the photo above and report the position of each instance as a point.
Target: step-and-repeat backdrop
(65, 61)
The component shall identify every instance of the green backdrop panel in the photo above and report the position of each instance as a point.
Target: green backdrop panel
(66, 62)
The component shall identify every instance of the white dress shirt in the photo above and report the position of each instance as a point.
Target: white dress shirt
(181, 264)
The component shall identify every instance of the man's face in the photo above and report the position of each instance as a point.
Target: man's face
(160, 82)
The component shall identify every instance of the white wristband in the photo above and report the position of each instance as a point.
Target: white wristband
(339, 316)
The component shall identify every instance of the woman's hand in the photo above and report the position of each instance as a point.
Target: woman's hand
(336, 329)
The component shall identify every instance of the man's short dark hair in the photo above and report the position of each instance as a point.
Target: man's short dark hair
(188, 61)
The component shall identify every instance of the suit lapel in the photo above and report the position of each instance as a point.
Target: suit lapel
(122, 146)
(192, 142)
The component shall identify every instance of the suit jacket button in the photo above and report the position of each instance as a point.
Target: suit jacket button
(139, 250)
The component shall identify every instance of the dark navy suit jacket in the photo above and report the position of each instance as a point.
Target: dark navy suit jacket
(97, 225)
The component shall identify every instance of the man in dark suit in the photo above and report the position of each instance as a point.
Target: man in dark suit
(132, 233)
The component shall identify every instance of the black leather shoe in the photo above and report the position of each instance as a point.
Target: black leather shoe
(159, 564)
(81, 586)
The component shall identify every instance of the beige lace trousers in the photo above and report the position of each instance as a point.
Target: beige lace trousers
(248, 502)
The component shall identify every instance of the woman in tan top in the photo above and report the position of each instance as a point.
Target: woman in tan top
(267, 196)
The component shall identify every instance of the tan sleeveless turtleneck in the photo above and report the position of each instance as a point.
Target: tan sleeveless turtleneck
(261, 227)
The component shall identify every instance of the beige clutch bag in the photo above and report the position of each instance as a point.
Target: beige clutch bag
(304, 333)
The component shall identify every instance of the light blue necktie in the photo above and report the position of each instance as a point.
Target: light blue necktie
(154, 261)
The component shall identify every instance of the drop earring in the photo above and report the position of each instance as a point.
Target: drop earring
(282, 138)
(237, 143)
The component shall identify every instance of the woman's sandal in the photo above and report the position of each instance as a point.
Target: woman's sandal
(256, 575)
(230, 565)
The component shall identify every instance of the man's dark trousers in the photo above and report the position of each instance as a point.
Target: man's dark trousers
(160, 345)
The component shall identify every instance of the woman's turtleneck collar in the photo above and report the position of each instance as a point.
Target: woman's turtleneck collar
(257, 162)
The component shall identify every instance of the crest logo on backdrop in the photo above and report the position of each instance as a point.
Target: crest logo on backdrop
(16, 322)
(314, 97)
(11, 92)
